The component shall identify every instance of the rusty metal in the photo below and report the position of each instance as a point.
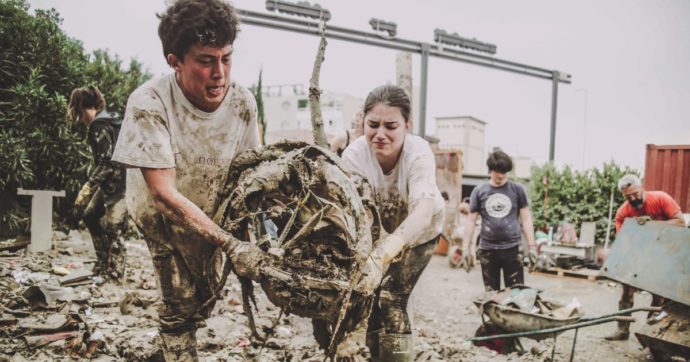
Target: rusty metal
(652, 257)
(667, 168)
(661, 348)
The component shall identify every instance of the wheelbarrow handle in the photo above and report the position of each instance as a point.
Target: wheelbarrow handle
(623, 312)
(549, 330)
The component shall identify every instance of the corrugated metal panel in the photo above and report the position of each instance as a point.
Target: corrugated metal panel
(667, 168)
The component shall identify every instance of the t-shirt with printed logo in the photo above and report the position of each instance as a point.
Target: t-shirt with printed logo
(499, 208)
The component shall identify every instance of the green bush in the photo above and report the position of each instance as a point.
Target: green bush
(39, 149)
(565, 195)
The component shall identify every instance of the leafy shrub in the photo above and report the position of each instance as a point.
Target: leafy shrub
(39, 149)
(565, 195)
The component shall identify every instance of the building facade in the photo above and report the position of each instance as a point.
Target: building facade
(464, 133)
(288, 114)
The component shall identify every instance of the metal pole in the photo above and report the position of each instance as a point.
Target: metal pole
(554, 104)
(584, 134)
(608, 224)
(572, 350)
(374, 39)
(422, 89)
(425, 49)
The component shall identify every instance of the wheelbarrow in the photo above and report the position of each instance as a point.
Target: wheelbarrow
(520, 311)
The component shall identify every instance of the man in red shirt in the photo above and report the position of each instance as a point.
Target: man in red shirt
(641, 205)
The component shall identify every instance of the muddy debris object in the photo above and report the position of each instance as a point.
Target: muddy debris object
(49, 296)
(299, 202)
(134, 299)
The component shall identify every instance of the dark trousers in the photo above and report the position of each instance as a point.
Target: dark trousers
(390, 307)
(493, 261)
(188, 272)
(628, 297)
(106, 224)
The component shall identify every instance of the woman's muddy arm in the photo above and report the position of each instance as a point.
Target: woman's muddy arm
(409, 231)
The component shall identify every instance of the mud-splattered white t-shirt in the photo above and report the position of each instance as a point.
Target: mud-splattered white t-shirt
(162, 129)
(412, 179)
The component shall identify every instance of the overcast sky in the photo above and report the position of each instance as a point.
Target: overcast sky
(629, 61)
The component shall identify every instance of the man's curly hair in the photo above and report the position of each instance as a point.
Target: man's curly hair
(204, 22)
(500, 162)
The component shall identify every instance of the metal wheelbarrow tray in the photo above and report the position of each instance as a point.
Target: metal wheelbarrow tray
(515, 319)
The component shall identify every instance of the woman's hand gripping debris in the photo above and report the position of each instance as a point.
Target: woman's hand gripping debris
(378, 262)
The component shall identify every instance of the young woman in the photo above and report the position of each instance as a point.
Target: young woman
(401, 169)
(100, 202)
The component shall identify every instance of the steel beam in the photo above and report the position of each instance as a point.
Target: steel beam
(425, 50)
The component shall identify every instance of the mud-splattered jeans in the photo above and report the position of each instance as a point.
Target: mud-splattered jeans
(493, 261)
(106, 216)
(390, 307)
(188, 272)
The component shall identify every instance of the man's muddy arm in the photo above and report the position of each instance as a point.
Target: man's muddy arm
(527, 226)
(177, 208)
(469, 230)
(677, 219)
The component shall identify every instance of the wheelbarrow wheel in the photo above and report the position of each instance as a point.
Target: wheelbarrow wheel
(500, 345)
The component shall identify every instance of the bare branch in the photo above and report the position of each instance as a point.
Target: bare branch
(315, 95)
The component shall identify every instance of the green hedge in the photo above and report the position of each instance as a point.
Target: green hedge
(39, 149)
(565, 195)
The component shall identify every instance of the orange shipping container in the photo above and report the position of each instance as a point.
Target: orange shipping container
(667, 168)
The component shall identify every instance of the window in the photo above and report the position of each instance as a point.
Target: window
(302, 103)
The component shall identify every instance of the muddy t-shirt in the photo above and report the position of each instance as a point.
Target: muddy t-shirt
(396, 193)
(500, 211)
(162, 129)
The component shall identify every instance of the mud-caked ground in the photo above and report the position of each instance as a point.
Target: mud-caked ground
(118, 322)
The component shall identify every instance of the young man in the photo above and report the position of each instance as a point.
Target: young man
(101, 201)
(505, 215)
(181, 132)
(641, 205)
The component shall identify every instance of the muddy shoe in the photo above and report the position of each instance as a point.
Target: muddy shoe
(100, 267)
(656, 317)
(118, 264)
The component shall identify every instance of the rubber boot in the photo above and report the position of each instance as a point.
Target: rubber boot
(102, 248)
(373, 344)
(395, 347)
(179, 347)
(622, 333)
(118, 259)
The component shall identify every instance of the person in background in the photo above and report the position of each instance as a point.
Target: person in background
(641, 205)
(504, 209)
(100, 202)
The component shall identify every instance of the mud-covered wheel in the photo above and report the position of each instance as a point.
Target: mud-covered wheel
(300, 202)
(500, 345)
